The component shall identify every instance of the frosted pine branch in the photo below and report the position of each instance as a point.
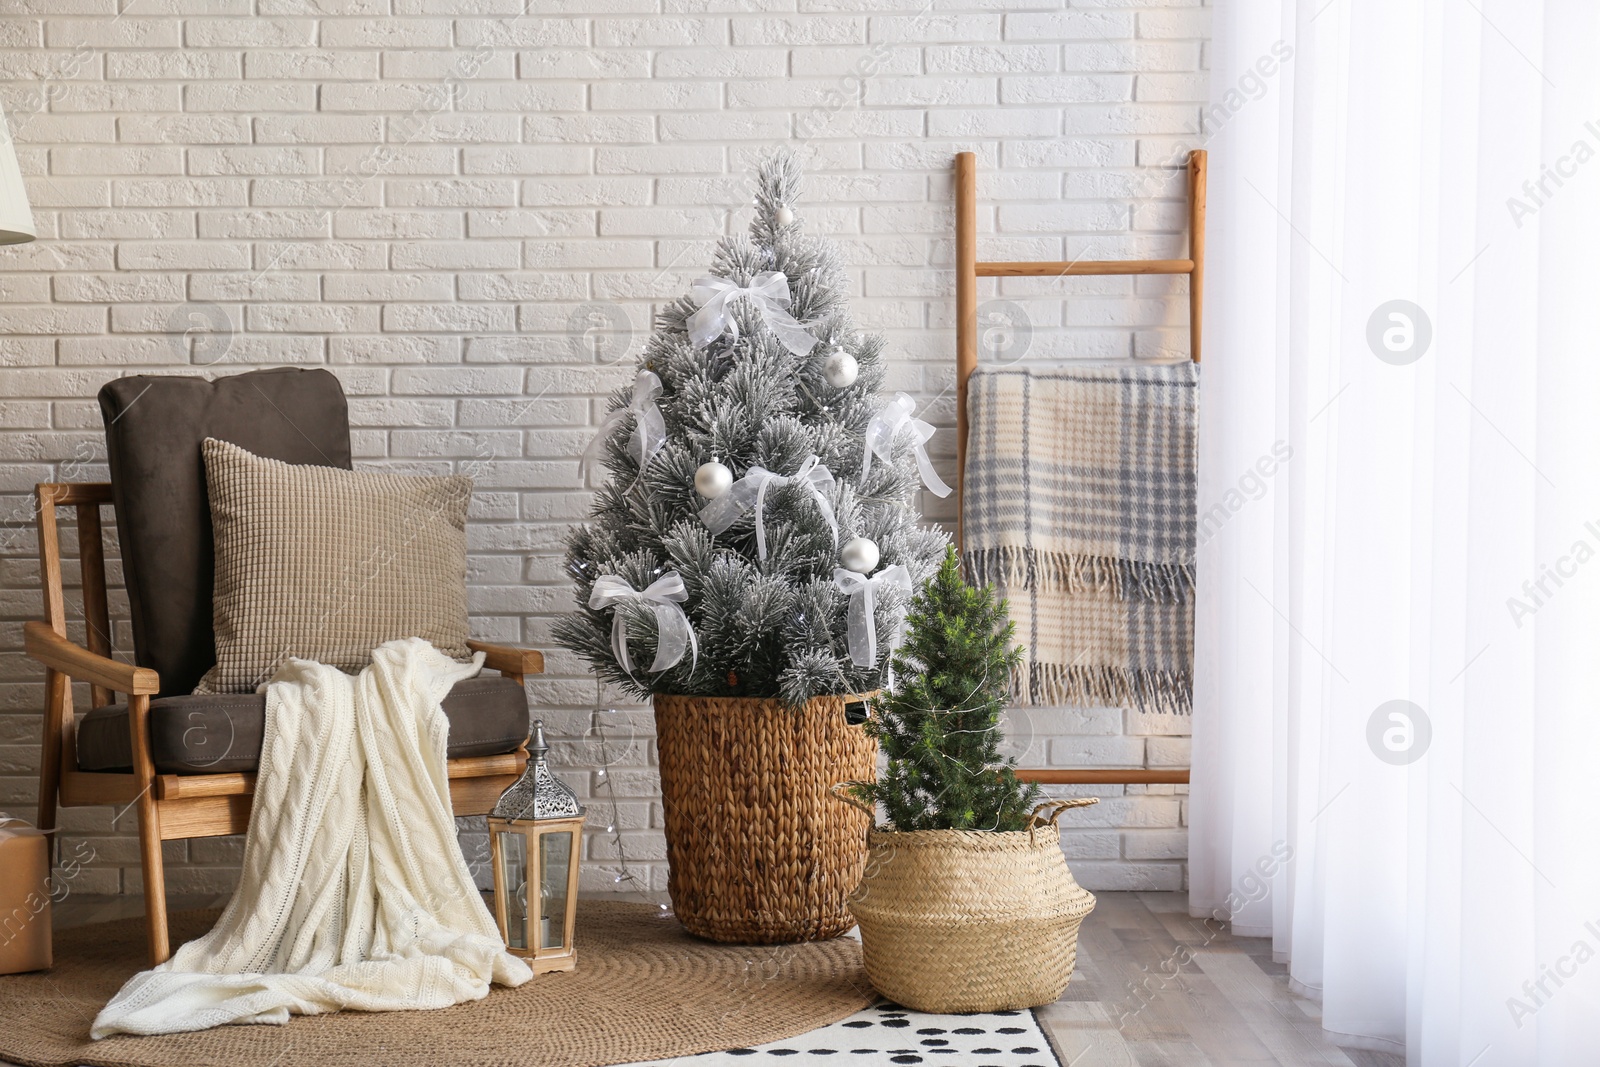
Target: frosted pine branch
(773, 627)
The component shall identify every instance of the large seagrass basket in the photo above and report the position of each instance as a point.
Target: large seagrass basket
(964, 920)
(758, 852)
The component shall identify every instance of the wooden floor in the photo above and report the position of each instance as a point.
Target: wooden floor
(1136, 1000)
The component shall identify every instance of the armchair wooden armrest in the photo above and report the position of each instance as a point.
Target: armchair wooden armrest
(77, 662)
(508, 660)
(56, 652)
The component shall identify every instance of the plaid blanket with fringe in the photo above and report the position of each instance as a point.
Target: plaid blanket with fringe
(1079, 505)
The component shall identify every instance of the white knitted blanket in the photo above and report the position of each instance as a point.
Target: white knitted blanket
(354, 892)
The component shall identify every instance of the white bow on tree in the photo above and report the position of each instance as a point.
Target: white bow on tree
(769, 291)
(886, 426)
(862, 614)
(674, 635)
(649, 428)
(751, 491)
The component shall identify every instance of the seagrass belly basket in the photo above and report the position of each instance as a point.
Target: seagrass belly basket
(965, 920)
(759, 853)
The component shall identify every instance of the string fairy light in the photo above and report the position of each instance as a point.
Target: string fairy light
(597, 726)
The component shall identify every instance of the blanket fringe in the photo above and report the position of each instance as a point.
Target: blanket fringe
(1017, 567)
(1055, 685)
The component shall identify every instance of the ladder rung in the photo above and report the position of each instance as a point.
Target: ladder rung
(1104, 776)
(1086, 266)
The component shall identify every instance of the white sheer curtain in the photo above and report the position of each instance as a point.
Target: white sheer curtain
(1428, 529)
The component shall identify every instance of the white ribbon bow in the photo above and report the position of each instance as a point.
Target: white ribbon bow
(862, 614)
(769, 291)
(886, 426)
(674, 635)
(751, 491)
(649, 428)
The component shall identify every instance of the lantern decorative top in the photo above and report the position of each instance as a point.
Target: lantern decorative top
(538, 794)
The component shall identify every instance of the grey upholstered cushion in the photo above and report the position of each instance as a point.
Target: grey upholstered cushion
(154, 426)
(326, 564)
(218, 733)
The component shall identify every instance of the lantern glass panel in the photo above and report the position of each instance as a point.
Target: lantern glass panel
(514, 876)
(555, 862)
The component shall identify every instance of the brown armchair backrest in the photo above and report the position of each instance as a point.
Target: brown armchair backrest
(154, 426)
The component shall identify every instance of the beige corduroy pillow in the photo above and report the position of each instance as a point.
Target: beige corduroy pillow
(327, 564)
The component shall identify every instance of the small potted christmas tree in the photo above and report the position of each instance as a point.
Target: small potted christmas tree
(967, 903)
(746, 566)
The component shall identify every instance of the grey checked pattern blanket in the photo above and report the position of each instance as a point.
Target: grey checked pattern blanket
(1079, 505)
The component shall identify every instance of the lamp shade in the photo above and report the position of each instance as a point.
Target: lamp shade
(16, 217)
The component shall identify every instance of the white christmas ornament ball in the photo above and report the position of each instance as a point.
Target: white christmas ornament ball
(785, 215)
(840, 368)
(712, 479)
(859, 554)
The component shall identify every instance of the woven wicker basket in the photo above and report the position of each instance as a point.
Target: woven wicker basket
(962, 920)
(758, 852)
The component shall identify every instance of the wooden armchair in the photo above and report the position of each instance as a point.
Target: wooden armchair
(145, 752)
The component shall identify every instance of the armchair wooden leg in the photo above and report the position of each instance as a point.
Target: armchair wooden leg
(155, 882)
(155, 879)
(55, 684)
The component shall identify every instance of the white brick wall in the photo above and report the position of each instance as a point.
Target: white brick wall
(430, 204)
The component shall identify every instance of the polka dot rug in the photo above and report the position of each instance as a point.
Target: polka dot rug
(887, 1035)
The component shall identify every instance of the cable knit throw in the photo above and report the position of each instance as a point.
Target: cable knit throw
(354, 893)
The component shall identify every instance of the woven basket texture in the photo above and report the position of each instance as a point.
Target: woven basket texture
(759, 852)
(961, 920)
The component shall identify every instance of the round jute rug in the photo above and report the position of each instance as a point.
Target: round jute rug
(643, 990)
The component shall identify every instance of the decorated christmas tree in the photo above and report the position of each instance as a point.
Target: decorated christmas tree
(940, 724)
(756, 536)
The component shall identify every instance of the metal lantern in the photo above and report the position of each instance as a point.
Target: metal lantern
(535, 838)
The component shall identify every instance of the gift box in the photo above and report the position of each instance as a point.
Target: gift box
(24, 898)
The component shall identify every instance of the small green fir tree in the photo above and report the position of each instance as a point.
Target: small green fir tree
(940, 724)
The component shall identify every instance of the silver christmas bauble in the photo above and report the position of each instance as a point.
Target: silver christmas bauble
(785, 216)
(712, 479)
(859, 554)
(840, 368)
